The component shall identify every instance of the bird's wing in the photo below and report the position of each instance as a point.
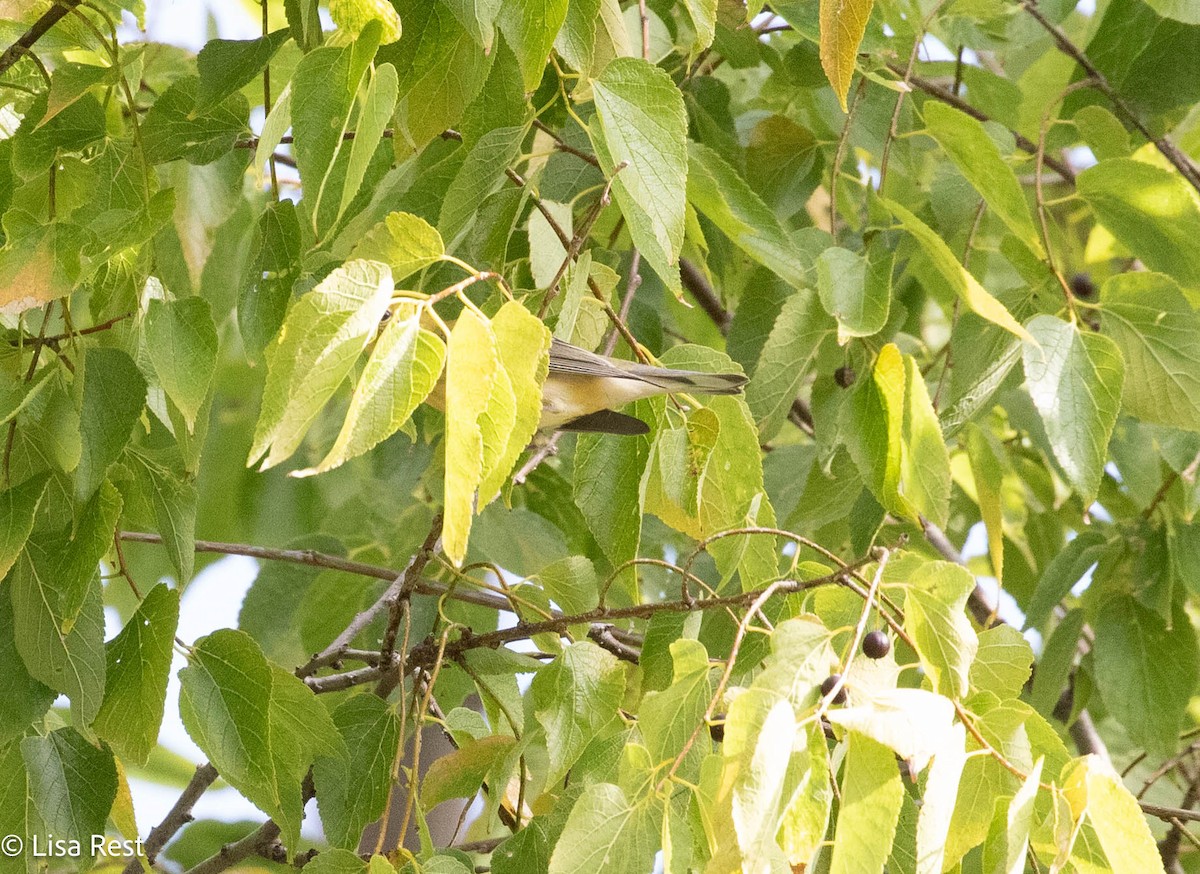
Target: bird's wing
(565, 358)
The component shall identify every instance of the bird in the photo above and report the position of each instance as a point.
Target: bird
(583, 390)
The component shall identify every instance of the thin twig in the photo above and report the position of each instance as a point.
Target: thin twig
(635, 282)
(1023, 143)
(645, 17)
(1168, 149)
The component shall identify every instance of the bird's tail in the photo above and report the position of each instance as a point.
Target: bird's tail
(693, 381)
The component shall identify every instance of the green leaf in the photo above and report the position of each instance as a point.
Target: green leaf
(1152, 211)
(1065, 569)
(478, 17)
(1145, 670)
(571, 584)
(523, 343)
(271, 268)
(871, 798)
(18, 506)
(322, 337)
(703, 14)
(1003, 662)
(403, 369)
(1056, 663)
(460, 773)
(937, 801)
(26, 699)
(69, 83)
(225, 702)
(668, 718)
(182, 341)
(605, 832)
(1155, 328)
(71, 783)
(966, 286)
(935, 597)
(723, 196)
(352, 790)
(404, 242)
(441, 67)
(1180, 10)
(377, 107)
(529, 27)
(1075, 381)
(472, 370)
(480, 174)
(857, 293)
(324, 90)
(1092, 787)
(174, 128)
(574, 697)
(794, 341)
(139, 661)
(226, 65)
(843, 23)
(607, 478)
(70, 661)
(259, 725)
(977, 157)
(114, 393)
(641, 122)
(173, 499)
(989, 480)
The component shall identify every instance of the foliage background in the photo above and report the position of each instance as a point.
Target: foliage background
(962, 286)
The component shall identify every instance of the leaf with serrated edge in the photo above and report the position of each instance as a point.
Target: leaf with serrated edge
(523, 343)
(471, 370)
(641, 122)
(1156, 329)
(1075, 380)
(324, 333)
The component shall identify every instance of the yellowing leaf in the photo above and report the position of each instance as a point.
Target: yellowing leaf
(871, 798)
(1093, 788)
(843, 23)
(322, 337)
(977, 298)
(894, 437)
(471, 372)
(403, 368)
(524, 347)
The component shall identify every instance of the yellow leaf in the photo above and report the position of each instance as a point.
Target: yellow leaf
(524, 347)
(473, 363)
(843, 23)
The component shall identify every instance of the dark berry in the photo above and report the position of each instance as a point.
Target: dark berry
(844, 376)
(1082, 286)
(876, 645)
(827, 687)
(716, 730)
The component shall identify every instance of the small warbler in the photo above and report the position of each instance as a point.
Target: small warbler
(583, 389)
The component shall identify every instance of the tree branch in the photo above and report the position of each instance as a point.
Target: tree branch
(1168, 149)
(177, 817)
(948, 97)
(26, 42)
